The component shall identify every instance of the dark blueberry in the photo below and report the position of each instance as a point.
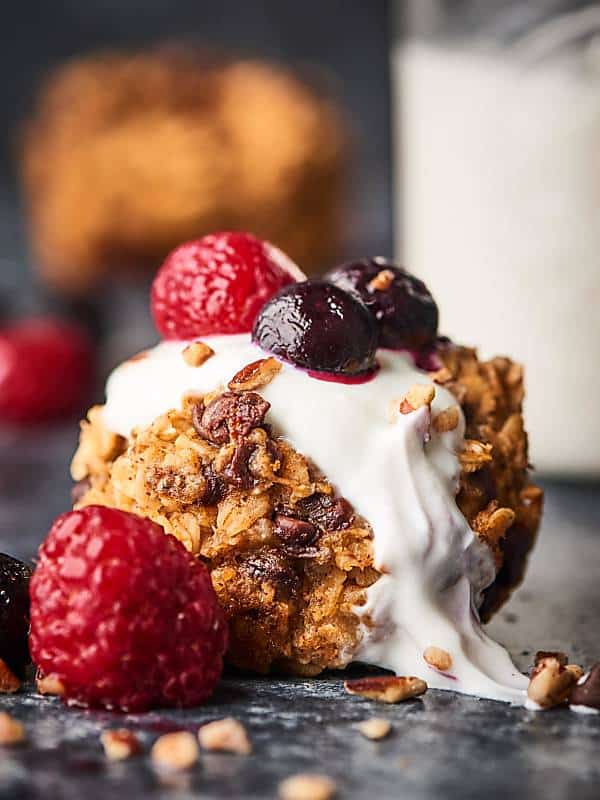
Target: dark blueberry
(319, 327)
(405, 311)
(14, 613)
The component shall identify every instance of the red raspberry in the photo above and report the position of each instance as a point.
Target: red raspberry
(123, 615)
(217, 284)
(45, 370)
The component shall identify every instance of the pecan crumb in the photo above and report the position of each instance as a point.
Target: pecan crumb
(561, 657)
(196, 353)
(446, 420)
(226, 735)
(438, 658)
(374, 728)
(306, 786)
(178, 750)
(9, 683)
(577, 671)
(475, 455)
(386, 688)
(48, 684)
(417, 396)
(441, 376)
(296, 535)
(255, 375)
(382, 281)
(120, 744)
(229, 415)
(11, 730)
(551, 683)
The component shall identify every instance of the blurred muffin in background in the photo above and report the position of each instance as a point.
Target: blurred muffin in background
(127, 155)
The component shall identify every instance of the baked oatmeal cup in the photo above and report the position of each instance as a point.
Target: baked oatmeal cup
(371, 508)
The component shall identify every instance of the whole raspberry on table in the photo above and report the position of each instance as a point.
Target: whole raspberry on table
(123, 615)
(217, 285)
(45, 369)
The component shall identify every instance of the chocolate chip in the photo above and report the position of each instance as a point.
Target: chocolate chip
(267, 565)
(332, 514)
(79, 489)
(588, 693)
(296, 535)
(214, 490)
(237, 472)
(229, 415)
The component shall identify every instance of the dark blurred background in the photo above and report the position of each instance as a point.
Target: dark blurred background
(346, 42)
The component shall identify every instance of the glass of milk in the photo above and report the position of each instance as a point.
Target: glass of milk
(497, 130)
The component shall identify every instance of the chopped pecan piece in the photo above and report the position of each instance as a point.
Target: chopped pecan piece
(120, 744)
(551, 683)
(267, 565)
(225, 735)
(197, 353)
(587, 692)
(387, 688)
(417, 396)
(307, 786)
(562, 658)
(11, 730)
(576, 670)
(178, 750)
(446, 420)
(438, 658)
(9, 683)
(255, 375)
(374, 728)
(475, 455)
(229, 416)
(382, 281)
(48, 684)
(295, 535)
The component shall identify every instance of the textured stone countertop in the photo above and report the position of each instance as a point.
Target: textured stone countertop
(442, 745)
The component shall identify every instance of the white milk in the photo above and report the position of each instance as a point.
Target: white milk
(498, 189)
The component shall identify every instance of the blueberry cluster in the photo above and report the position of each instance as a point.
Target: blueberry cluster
(335, 325)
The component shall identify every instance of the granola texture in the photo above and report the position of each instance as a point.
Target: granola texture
(162, 136)
(289, 558)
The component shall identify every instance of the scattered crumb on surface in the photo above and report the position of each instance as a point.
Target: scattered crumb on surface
(374, 728)
(226, 735)
(11, 730)
(178, 750)
(306, 786)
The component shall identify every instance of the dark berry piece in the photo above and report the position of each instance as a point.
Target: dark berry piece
(406, 313)
(330, 513)
(296, 535)
(237, 472)
(14, 613)
(122, 615)
(320, 327)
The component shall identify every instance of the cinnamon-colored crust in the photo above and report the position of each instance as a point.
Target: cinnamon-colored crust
(289, 598)
(125, 156)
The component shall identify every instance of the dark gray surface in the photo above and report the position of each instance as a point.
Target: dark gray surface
(443, 746)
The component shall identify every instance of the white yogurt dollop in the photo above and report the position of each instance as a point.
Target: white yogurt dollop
(398, 474)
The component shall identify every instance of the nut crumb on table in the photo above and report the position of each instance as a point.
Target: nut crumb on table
(178, 750)
(307, 786)
(226, 735)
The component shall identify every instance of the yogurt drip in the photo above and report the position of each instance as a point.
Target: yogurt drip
(400, 475)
